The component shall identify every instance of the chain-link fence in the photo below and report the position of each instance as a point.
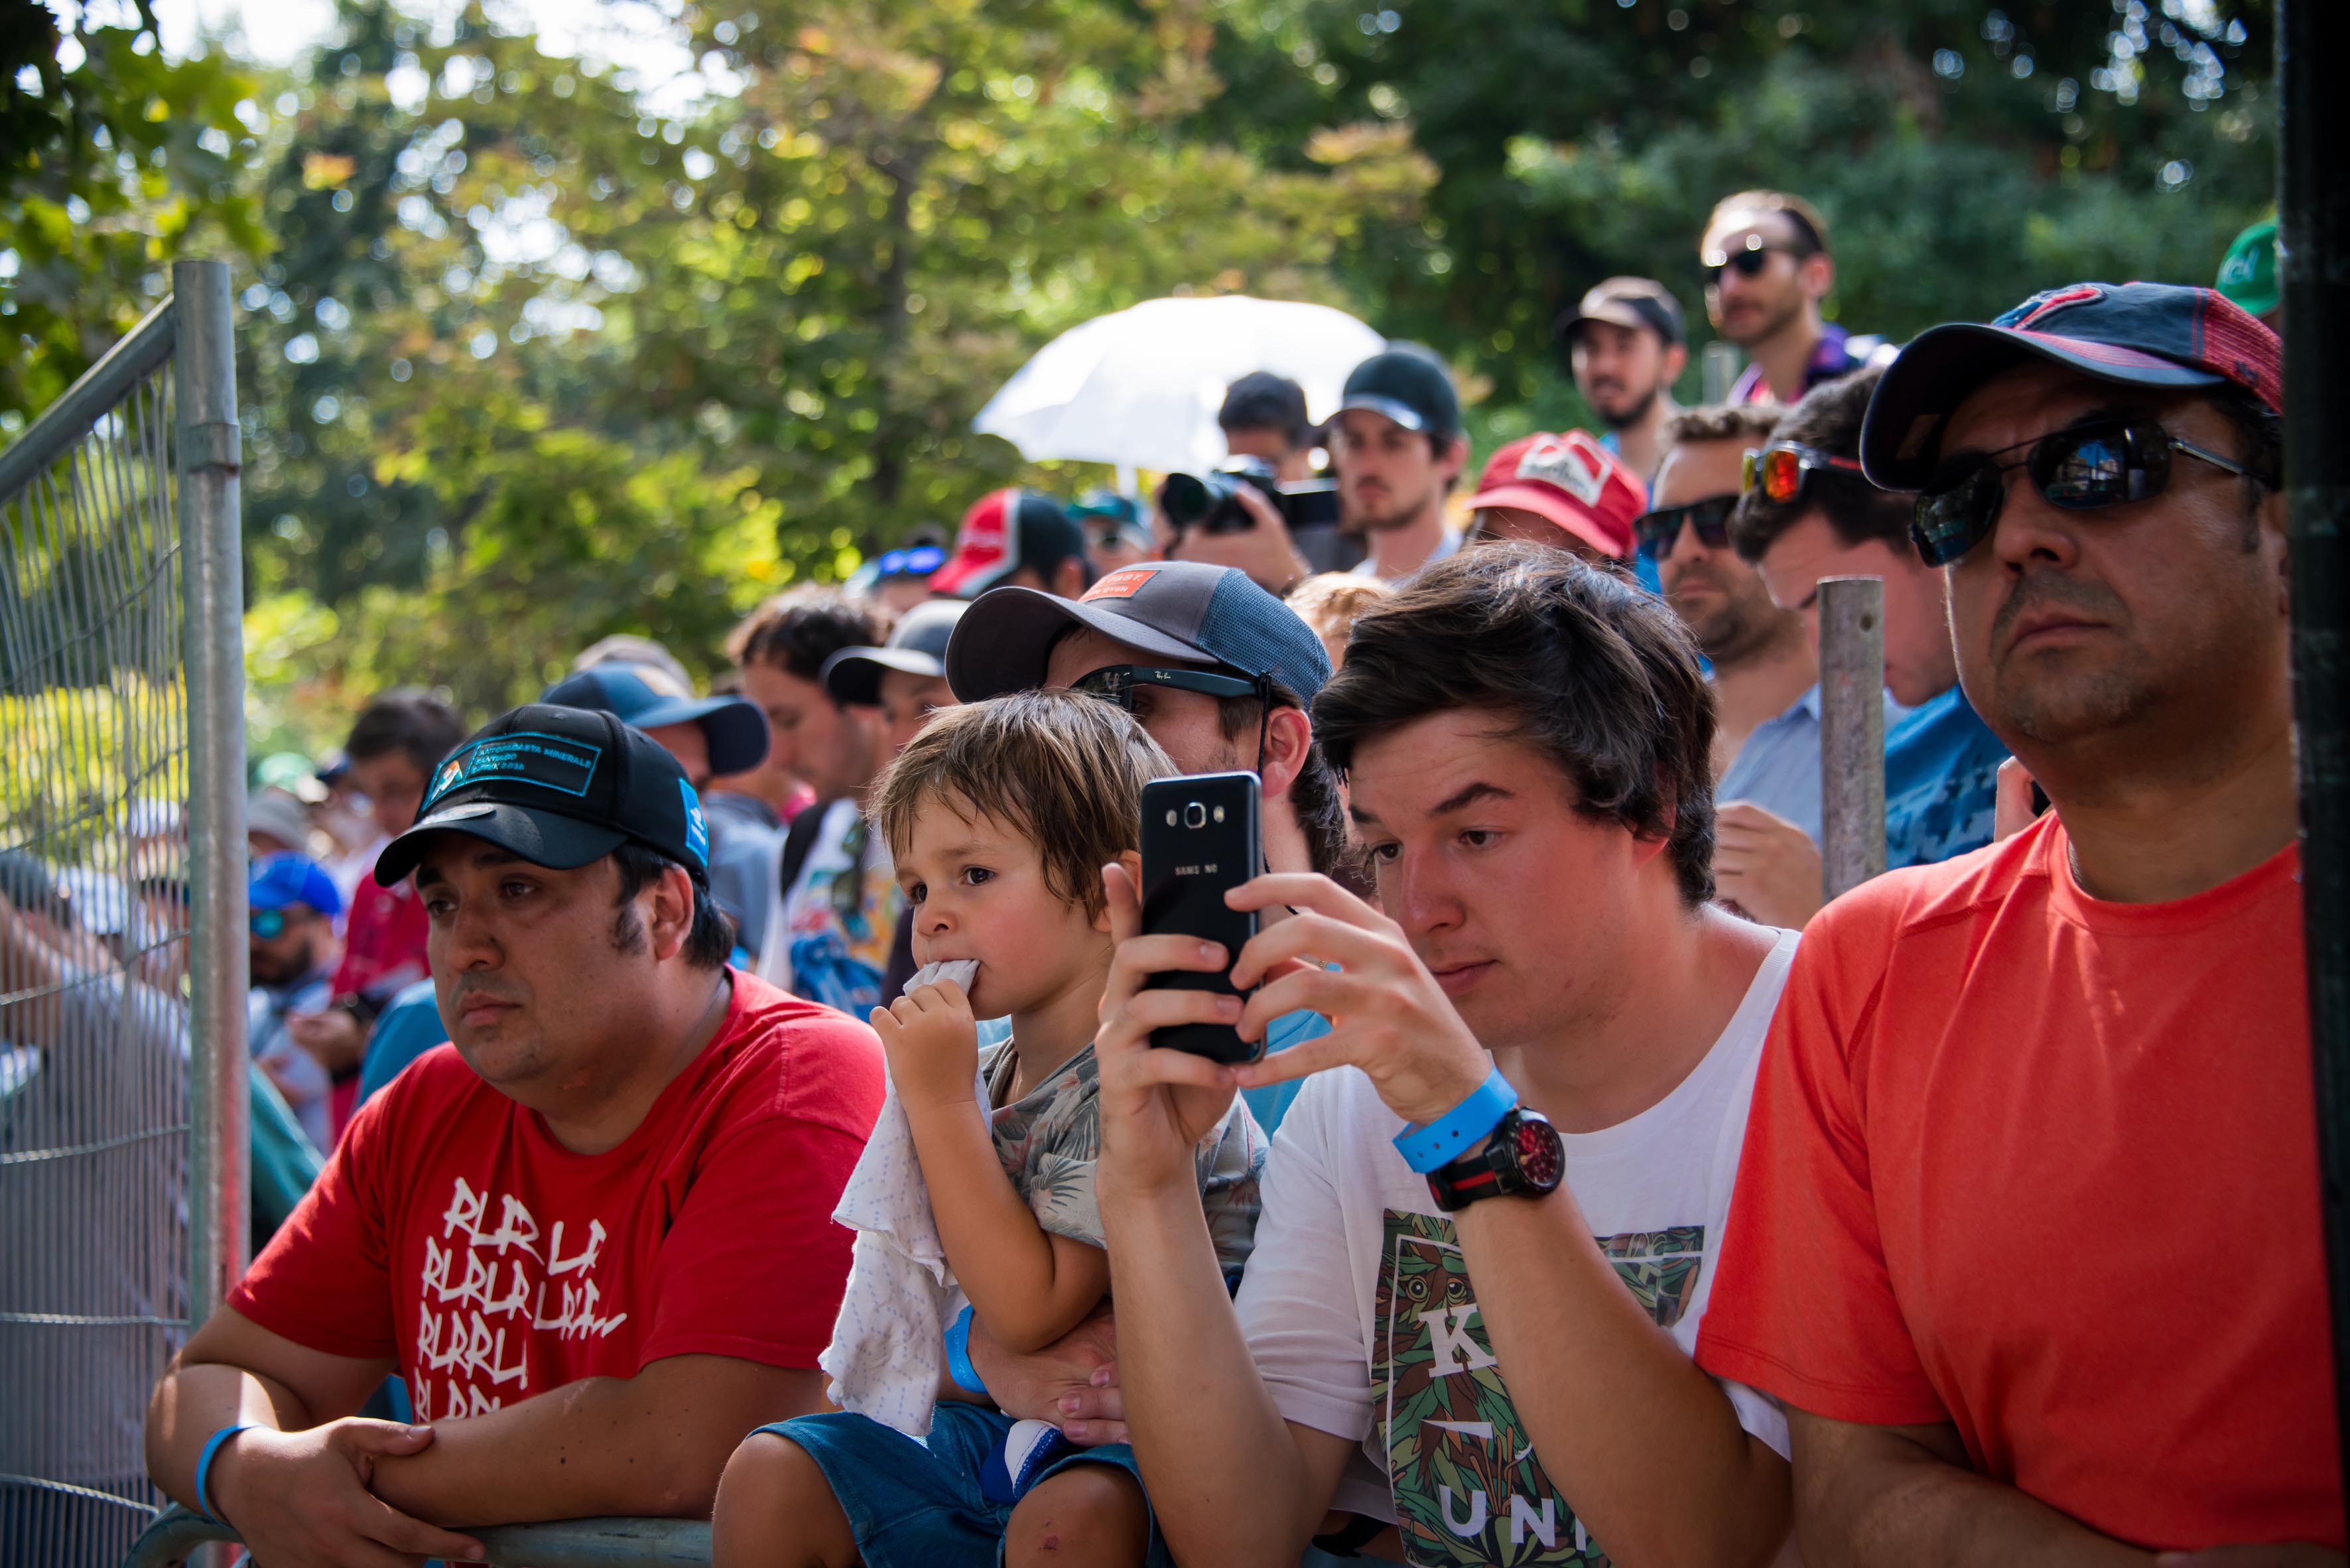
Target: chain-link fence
(121, 915)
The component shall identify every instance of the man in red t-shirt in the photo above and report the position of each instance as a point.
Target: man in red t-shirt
(593, 1234)
(2026, 1234)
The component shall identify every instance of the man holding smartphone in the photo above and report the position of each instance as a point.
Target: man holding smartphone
(1491, 1215)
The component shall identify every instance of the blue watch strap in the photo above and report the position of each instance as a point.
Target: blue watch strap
(204, 1464)
(959, 1366)
(1447, 1138)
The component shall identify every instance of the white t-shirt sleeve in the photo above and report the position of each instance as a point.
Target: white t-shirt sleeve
(1297, 1302)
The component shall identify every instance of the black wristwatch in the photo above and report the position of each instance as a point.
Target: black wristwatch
(1521, 1157)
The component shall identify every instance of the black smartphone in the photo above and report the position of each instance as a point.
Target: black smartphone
(1200, 840)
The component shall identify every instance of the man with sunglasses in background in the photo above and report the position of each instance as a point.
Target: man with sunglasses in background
(291, 959)
(1766, 744)
(1767, 268)
(2028, 1238)
(1809, 513)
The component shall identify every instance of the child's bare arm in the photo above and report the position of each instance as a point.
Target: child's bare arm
(1029, 1286)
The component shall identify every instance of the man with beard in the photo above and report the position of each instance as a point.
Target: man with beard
(2029, 1227)
(1626, 346)
(1398, 446)
(1766, 750)
(293, 904)
(1767, 268)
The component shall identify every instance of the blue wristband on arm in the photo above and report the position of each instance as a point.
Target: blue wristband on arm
(204, 1464)
(959, 1366)
(1449, 1137)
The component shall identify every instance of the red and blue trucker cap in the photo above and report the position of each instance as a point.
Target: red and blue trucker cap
(2163, 335)
(560, 787)
(1185, 611)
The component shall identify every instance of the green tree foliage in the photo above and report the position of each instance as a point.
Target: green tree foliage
(1965, 154)
(112, 160)
(530, 365)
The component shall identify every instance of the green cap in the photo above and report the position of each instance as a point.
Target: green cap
(2249, 275)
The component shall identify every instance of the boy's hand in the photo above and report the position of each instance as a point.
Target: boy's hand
(931, 1041)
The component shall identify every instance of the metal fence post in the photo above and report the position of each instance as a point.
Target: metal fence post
(210, 453)
(2314, 261)
(1718, 370)
(1852, 731)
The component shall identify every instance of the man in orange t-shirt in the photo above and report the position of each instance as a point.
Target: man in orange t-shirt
(2026, 1233)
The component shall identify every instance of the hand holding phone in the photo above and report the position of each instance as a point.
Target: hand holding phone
(1200, 839)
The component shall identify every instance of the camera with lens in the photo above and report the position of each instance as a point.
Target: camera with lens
(1210, 502)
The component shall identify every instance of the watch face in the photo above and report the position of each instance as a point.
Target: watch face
(1541, 1161)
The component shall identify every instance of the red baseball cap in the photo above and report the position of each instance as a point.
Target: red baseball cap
(1004, 531)
(1570, 481)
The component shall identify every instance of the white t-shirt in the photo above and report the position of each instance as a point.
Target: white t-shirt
(1398, 1360)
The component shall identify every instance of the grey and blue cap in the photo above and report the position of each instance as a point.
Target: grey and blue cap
(1186, 612)
(560, 787)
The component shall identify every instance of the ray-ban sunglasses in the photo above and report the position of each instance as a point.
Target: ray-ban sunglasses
(2111, 461)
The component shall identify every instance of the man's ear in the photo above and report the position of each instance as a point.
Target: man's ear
(1288, 735)
(1818, 273)
(1675, 362)
(1453, 457)
(1131, 862)
(669, 918)
(1069, 578)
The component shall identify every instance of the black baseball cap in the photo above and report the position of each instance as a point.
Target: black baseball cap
(917, 646)
(1262, 401)
(561, 787)
(1629, 302)
(1409, 385)
(1183, 610)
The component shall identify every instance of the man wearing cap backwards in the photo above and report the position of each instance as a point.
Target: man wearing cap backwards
(1767, 268)
(1812, 513)
(594, 1235)
(1626, 346)
(1014, 536)
(1567, 492)
(1397, 447)
(709, 736)
(2028, 1226)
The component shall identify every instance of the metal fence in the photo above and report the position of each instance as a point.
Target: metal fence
(122, 949)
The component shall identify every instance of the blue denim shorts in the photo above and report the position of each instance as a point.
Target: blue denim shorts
(924, 1503)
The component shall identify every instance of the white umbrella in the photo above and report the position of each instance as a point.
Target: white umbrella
(1140, 388)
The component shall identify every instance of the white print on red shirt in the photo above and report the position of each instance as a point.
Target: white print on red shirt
(491, 1280)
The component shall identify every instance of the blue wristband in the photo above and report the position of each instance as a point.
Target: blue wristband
(1453, 1134)
(205, 1465)
(959, 1366)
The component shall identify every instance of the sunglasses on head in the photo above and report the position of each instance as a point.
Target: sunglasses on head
(1117, 683)
(1658, 530)
(1781, 469)
(2107, 462)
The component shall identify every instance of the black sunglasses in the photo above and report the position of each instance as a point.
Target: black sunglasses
(1117, 683)
(1658, 529)
(2107, 461)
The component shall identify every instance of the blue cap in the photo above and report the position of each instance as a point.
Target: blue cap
(735, 729)
(1187, 612)
(281, 881)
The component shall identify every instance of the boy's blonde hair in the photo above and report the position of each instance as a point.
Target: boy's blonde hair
(1331, 602)
(1065, 769)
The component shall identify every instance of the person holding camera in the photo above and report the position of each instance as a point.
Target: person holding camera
(1264, 417)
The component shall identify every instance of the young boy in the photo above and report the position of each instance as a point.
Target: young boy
(1000, 816)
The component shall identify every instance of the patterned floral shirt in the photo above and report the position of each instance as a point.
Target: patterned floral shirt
(1050, 1137)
